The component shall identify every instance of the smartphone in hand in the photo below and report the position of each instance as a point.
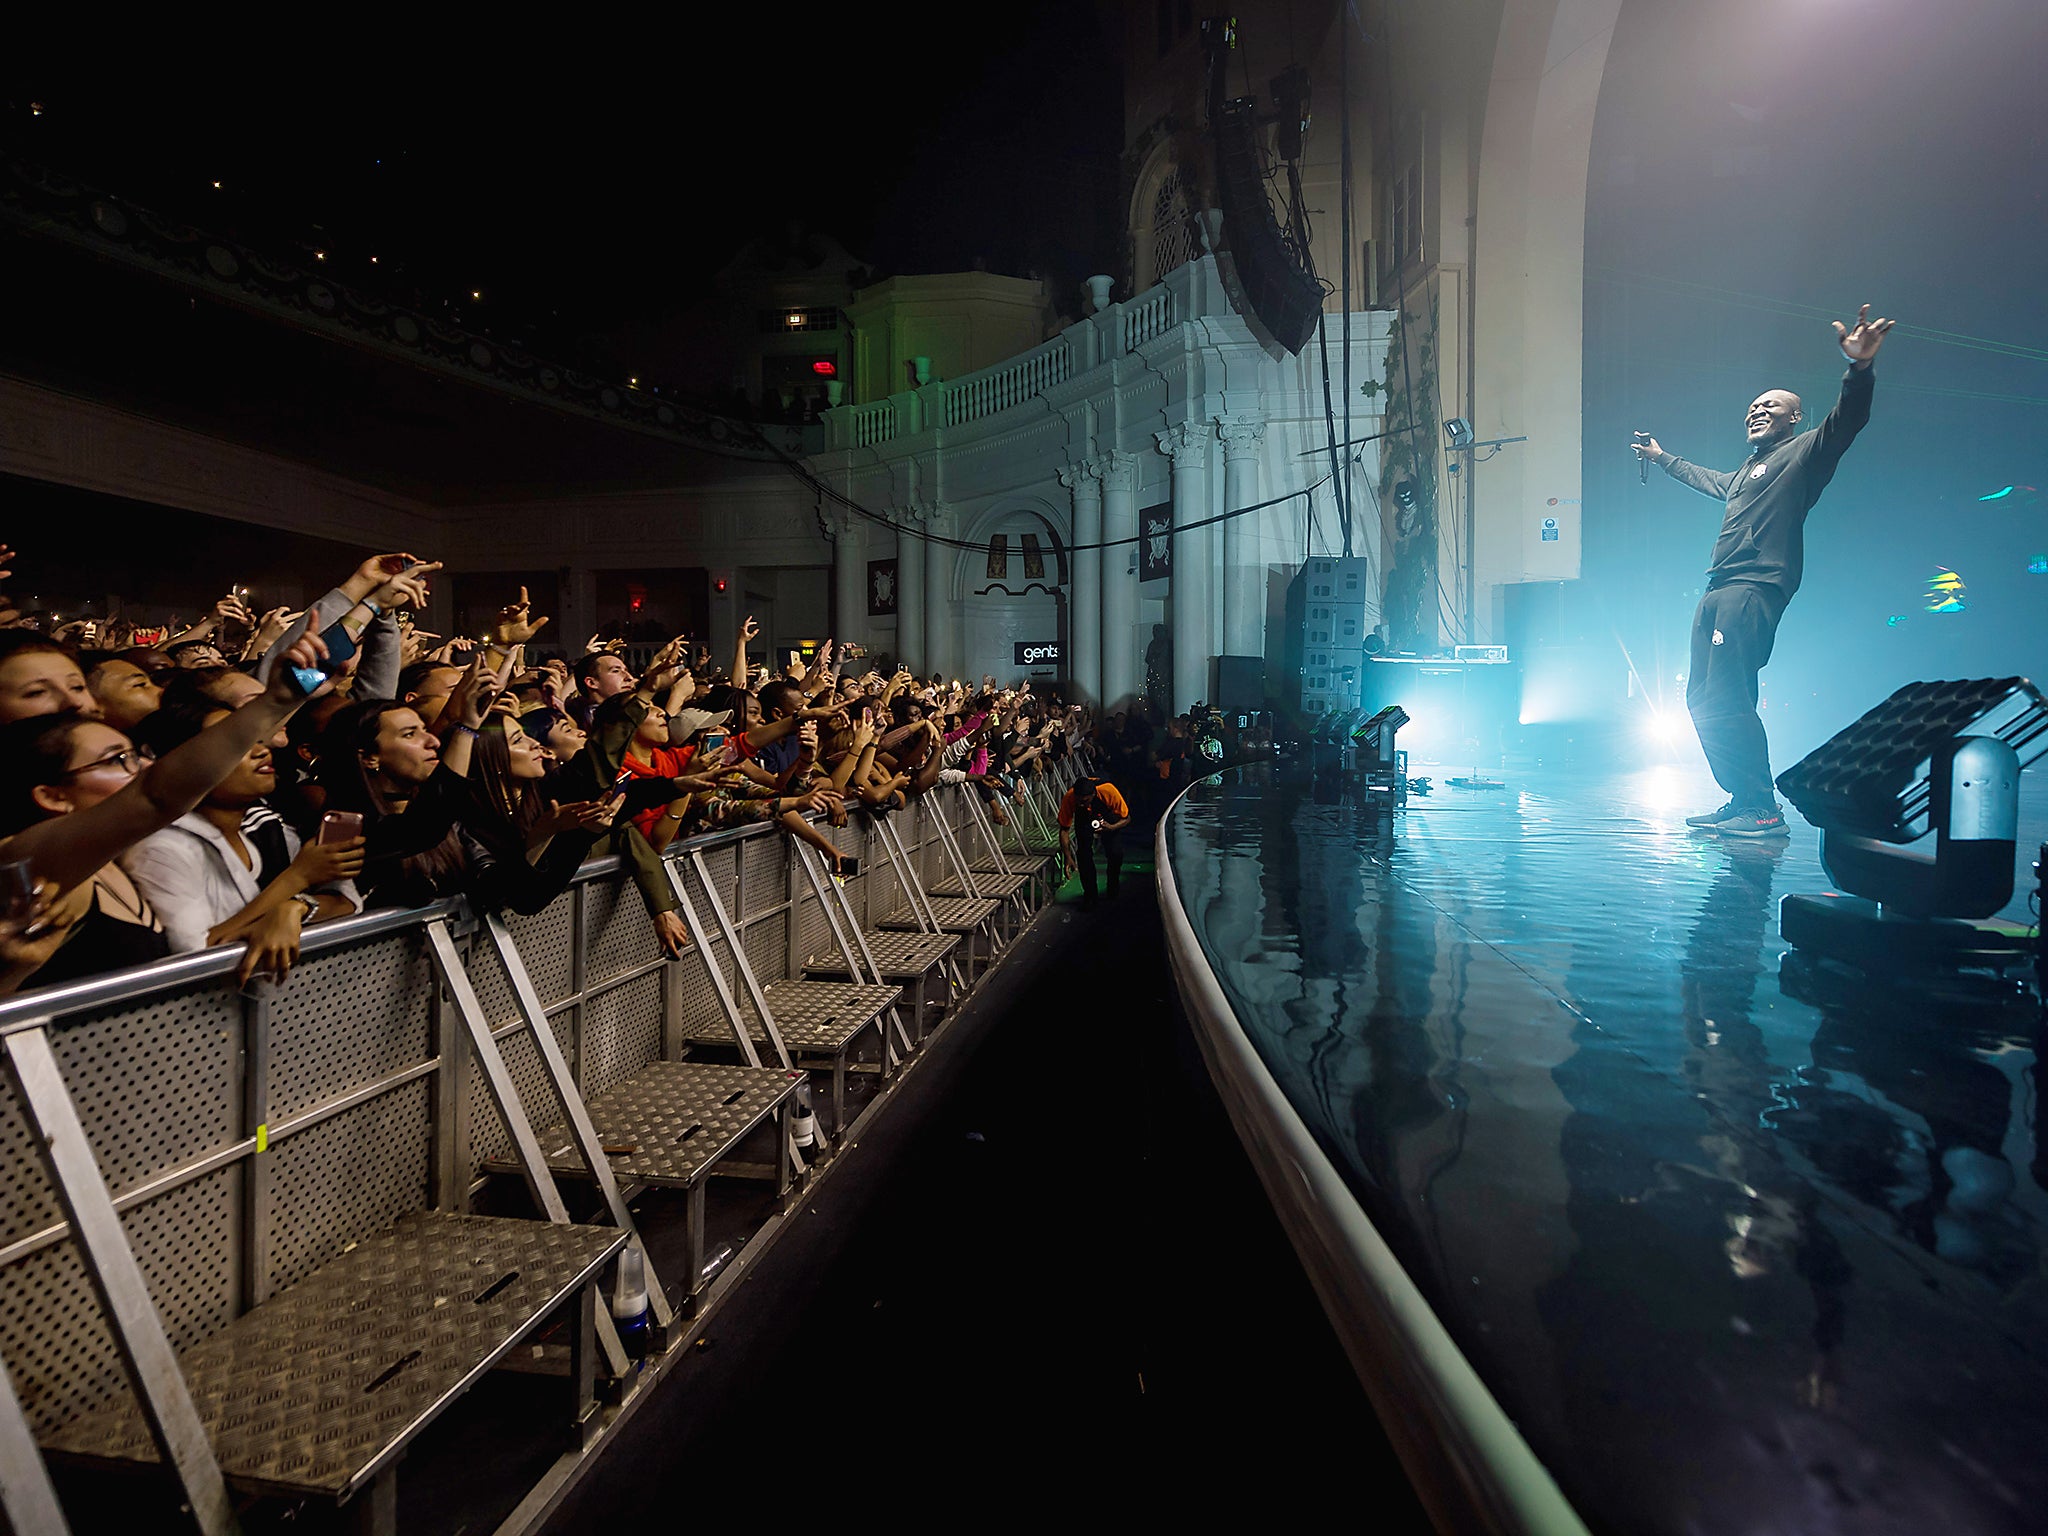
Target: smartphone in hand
(340, 827)
(341, 645)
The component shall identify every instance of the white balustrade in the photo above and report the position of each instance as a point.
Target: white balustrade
(991, 391)
(1011, 383)
(874, 423)
(1147, 316)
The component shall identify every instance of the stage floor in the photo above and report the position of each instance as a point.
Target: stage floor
(1739, 1247)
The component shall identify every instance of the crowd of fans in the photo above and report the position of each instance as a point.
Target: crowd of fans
(239, 780)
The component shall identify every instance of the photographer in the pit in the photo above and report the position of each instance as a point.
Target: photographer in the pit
(1094, 810)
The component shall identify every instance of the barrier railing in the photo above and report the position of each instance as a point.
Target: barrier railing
(176, 1151)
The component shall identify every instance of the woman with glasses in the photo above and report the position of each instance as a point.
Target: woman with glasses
(75, 793)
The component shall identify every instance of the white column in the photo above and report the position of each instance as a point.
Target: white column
(910, 590)
(849, 577)
(1122, 678)
(1244, 571)
(1084, 611)
(1188, 446)
(938, 599)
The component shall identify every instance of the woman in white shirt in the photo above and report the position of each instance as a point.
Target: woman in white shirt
(233, 870)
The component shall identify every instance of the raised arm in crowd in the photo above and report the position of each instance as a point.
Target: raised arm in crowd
(239, 779)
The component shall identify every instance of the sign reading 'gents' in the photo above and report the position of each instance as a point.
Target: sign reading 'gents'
(1037, 653)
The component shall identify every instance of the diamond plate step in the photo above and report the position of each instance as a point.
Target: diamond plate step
(812, 1016)
(998, 887)
(319, 1388)
(954, 914)
(898, 956)
(670, 1122)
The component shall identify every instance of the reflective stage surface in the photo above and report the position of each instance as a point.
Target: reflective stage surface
(1741, 1245)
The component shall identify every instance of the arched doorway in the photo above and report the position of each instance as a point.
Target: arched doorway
(1012, 591)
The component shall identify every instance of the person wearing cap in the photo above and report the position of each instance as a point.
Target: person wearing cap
(1094, 809)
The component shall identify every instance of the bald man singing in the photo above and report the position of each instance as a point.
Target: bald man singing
(1755, 570)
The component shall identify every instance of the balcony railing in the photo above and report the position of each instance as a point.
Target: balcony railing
(1116, 331)
(1007, 384)
(870, 424)
(1147, 317)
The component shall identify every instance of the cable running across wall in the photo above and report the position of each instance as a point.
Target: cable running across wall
(819, 487)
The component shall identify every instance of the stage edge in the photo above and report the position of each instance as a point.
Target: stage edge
(1471, 1468)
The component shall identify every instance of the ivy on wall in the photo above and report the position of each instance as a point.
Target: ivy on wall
(1408, 481)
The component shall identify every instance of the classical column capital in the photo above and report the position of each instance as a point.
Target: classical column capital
(1119, 471)
(1185, 442)
(1241, 436)
(839, 522)
(1082, 476)
(917, 513)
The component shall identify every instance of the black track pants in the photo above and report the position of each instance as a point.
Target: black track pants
(1732, 634)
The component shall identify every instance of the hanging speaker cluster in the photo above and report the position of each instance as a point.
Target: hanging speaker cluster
(1286, 299)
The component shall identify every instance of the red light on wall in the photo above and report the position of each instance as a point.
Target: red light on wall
(824, 367)
(721, 583)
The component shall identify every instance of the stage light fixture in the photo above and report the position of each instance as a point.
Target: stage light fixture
(1918, 806)
(1376, 735)
(1458, 433)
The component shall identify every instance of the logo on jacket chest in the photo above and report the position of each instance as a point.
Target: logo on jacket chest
(1760, 471)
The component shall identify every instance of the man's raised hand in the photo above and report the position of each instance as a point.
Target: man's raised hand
(1860, 342)
(408, 588)
(1647, 447)
(515, 625)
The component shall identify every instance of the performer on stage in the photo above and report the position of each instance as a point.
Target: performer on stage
(1755, 570)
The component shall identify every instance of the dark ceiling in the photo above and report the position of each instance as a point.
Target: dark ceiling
(575, 208)
(110, 332)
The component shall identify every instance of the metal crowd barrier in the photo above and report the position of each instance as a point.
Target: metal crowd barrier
(177, 1152)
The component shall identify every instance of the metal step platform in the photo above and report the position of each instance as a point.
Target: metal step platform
(318, 1391)
(821, 1020)
(997, 887)
(964, 915)
(672, 1124)
(1013, 864)
(906, 959)
(955, 914)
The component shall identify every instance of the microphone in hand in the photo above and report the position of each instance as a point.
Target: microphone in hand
(1646, 448)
